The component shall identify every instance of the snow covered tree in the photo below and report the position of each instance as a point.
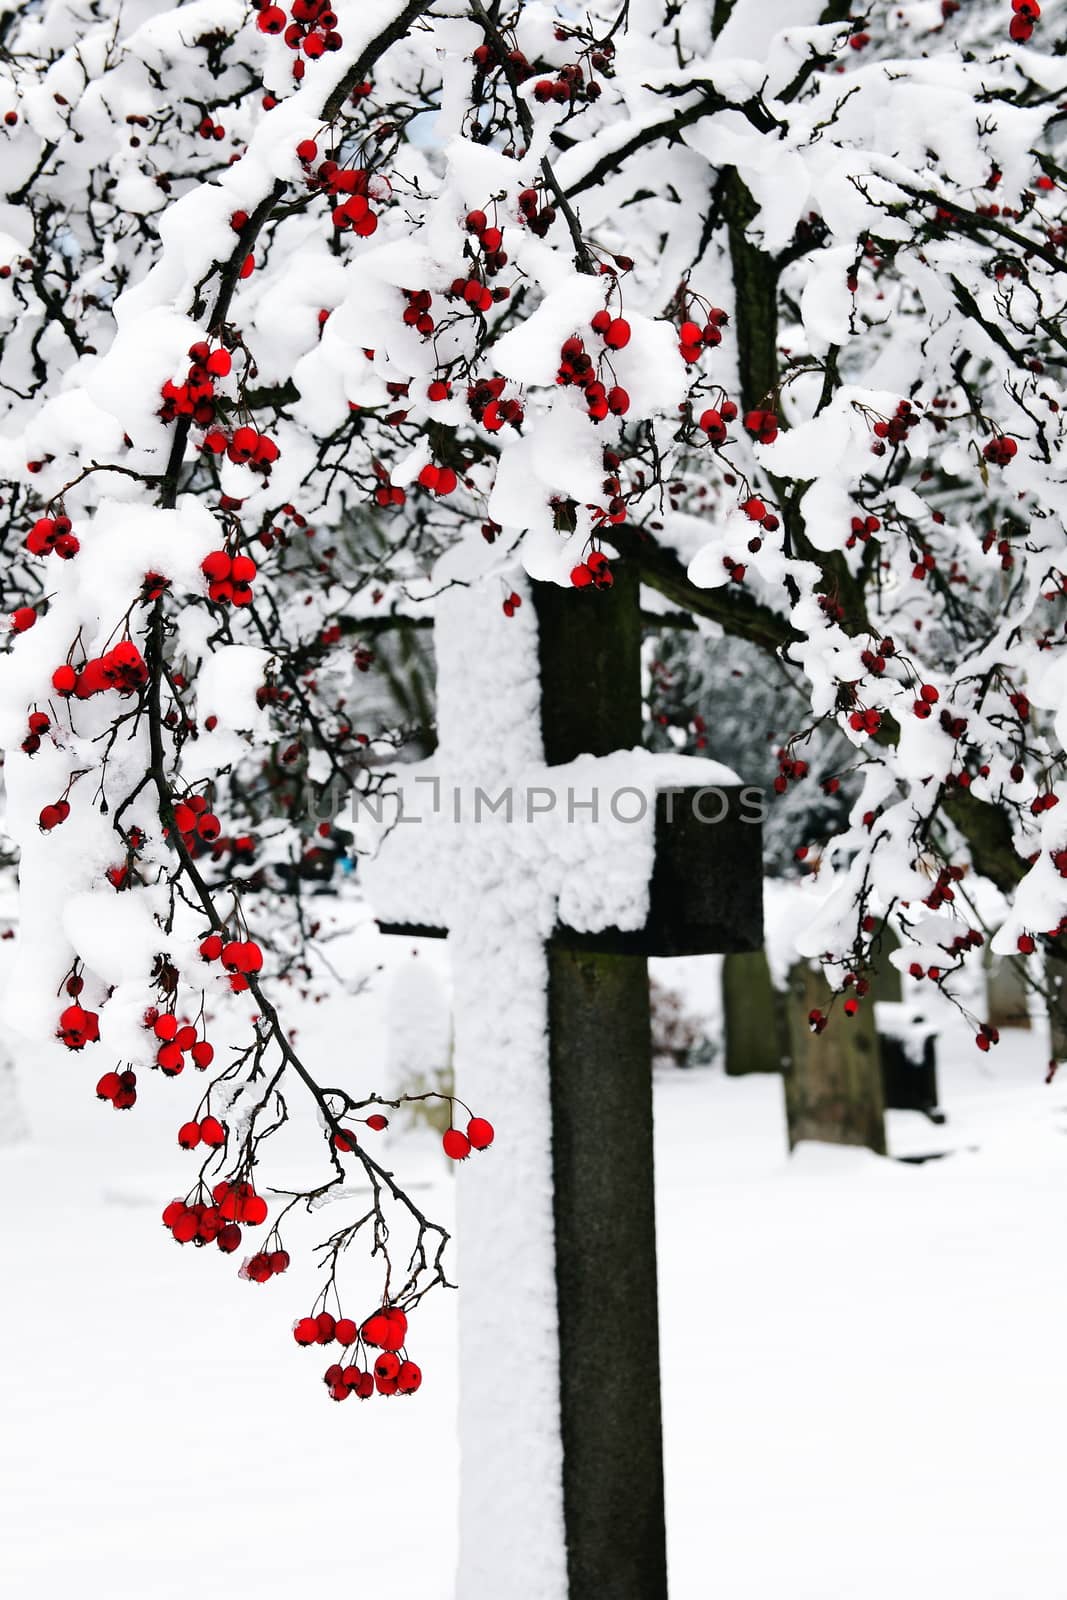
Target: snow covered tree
(766, 301)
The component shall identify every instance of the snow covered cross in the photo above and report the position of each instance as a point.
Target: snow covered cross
(558, 856)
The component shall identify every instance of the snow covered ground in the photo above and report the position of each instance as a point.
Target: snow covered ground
(862, 1367)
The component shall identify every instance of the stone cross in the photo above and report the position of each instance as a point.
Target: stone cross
(562, 1468)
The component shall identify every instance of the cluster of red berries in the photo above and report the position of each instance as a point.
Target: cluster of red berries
(487, 55)
(1004, 551)
(511, 603)
(895, 429)
(120, 1088)
(861, 530)
(756, 511)
(176, 1040)
(52, 815)
(78, 1027)
(762, 425)
(789, 771)
(942, 892)
(577, 367)
(53, 535)
(474, 293)
(927, 699)
(865, 721)
(487, 405)
(1024, 14)
(209, 1131)
(417, 314)
(312, 31)
(387, 493)
(349, 188)
(195, 822)
(458, 1145)
(385, 1331)
(438, 480)
(38, 724)
(1043, 802)
(593, 570)
(714, 421)
(239, 1202)
(210, 130)
(925, 564)
(615, 511)
(875, 660)
(538, 218)
(986, 1036)
(245, 447)
(201, 1224)
(241, 958)
(121, 668)
(229, 577)
(569, 85)
(491, 239)
(1001, 451)
(265, 1264)
(196, 396)
(694, 339)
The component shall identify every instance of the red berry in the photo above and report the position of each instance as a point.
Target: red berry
(456, 1145)
(306, 1331)
(480, 1133)
(189, 1135)
(408, 1378)
(212, 1132)
(617, 335)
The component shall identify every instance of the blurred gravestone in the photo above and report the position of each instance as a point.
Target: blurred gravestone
(753, 1015)
(419, 1049)
(1007, 992)
(909, 1062)
(833, 1079)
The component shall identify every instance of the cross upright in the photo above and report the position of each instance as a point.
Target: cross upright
(561, 1490)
